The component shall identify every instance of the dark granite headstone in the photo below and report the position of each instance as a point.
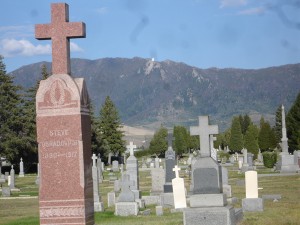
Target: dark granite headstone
(170, 162)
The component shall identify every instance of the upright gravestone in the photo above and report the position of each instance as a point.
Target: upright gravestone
(208, 204)
(115, 166)
(126, 204)
(250, 161)
(286, 161)
(21, 173)
(63, 130)
(178, 190)
(245, 166)
(156, 162)
(109, 158)
(99, 168)
(98, 205)
(170, 162)
(132, 169)
(158, 180)
(12, 178)
(252, 202)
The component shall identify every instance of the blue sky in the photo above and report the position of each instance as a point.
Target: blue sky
(201, 33)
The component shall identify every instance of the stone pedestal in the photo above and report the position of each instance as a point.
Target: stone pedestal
(126, 209)
(209, 215)
(208, 200)
(287, 163)
(252, 204)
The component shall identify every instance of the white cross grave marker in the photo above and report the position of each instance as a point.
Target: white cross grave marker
(178, 190)
(94, 157)
(131, 147)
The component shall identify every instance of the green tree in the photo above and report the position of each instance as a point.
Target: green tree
(278, 125)
(266, 137)
(245, 121)
(181, 136)
(12, 133)
(236, 138)
(251, 139)
(293, 125)
(158, 144)
(110, 128)
(31, 148)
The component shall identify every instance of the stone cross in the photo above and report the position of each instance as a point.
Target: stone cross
(60, 30)
(94, 157)
(176, 170)
(204, 130)
(170, 139)
(131, 146)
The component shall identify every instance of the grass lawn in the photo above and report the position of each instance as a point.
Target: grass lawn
(17, 211)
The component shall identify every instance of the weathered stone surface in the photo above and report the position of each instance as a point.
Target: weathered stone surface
(209, 216)
(170, 162)
(158, 180)
(111, 199)
(152, 200)
(126, 209)
(253, 204)
(5, 192)
(159, 210)
(207, 200)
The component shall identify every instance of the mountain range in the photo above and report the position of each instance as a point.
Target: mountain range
(150, 93)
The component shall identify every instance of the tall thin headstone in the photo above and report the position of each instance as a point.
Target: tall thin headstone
(286, 161)
(21, 173)
(98, 205)
(213, 151)
(178, 190)
(170, 162)
(132, 170)
(63, 130)
(12, 178)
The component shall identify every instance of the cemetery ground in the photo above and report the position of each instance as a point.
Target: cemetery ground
(22, 207)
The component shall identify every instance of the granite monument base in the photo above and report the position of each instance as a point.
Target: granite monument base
(287, 163)
(167, 200)
(126, 209)
(253, 204)
(209, 215)
(208, 200)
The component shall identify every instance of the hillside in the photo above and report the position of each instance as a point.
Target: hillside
(151, 93)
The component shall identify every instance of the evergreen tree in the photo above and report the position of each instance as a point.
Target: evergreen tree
(31, 147)
(278, 125)
(181, 140)
(110, 128)
(11, 117)
(236, 138)
(246, 123)
(251, 139)
(293, 125)
(266, 138)
(158, 144)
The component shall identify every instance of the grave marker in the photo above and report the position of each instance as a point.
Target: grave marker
(178, 190)
(21, 173)
(63, 130)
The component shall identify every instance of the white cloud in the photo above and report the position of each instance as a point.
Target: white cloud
(102, 10)
(253, 11)
(75, 48)
(231, 3)
(13, 47)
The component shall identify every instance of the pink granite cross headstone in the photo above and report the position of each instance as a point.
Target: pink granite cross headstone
(60, 30)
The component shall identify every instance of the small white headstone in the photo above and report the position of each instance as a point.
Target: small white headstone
(251, 184)
(178, 190)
